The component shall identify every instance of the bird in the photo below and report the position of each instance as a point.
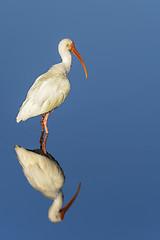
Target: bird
(51, 88)
(45, 175)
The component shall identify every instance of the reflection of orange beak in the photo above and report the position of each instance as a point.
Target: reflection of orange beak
(65, 209)
(73, 50)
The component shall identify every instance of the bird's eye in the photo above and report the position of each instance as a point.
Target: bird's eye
(72, 45)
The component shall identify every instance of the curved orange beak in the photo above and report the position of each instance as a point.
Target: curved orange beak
(65, 209)
(74, 50)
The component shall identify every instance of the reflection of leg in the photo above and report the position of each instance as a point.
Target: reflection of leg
(44, 144)
(42, 123)
(45, 122)
(41, 139)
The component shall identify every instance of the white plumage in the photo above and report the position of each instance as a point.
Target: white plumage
(50, 89)
(46, 94)
(45, 175)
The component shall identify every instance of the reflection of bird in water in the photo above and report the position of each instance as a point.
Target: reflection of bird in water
(51, 88)
(45, 174)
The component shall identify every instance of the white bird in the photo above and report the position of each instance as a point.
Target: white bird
(45, 174)
(51, 88)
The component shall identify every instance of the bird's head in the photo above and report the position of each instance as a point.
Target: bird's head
(70, 46)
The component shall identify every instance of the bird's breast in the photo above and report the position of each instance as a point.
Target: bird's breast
(55, 93)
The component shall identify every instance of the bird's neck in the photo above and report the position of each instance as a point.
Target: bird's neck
(54, 210)
(66, 58)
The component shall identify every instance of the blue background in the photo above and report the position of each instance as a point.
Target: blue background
(106, 134)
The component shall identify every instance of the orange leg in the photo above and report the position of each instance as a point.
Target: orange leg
(45, 122)
(42, 123)
(42, 129)
(44, 144)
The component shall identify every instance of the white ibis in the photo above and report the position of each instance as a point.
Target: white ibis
(45, 174)
(51, 88)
